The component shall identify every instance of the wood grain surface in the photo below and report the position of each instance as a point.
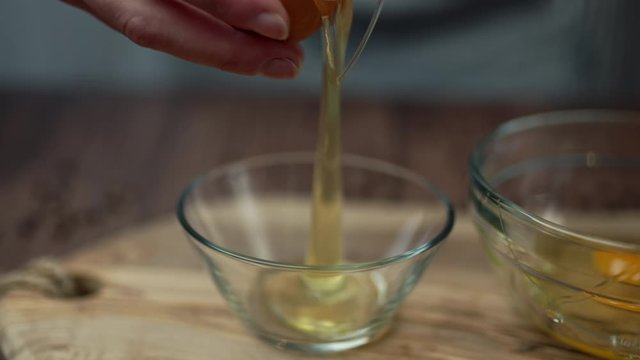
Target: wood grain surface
(157, 302)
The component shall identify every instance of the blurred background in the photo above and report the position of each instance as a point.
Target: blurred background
(97, 134)
(423, 49)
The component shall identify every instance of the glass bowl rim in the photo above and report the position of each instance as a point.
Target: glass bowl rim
(349, 160)
(540, 120)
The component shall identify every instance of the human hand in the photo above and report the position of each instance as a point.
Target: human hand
(241, 36)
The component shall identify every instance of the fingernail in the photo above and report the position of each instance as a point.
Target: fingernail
(270, 25)
(280, 68)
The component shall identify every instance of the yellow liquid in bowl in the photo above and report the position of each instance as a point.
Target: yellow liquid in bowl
(584, 296)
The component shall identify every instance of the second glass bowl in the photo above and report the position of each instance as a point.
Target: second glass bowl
(556, 199)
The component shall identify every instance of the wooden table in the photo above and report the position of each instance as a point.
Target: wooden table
(156, 302)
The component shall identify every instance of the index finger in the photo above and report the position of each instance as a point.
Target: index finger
(265, 17)
(185, 31)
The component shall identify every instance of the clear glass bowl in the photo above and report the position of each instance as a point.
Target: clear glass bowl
(556, 199)
(250, 222)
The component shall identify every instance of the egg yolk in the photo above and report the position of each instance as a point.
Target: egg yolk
(621, 267)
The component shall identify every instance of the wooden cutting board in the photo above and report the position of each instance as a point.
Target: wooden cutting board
(156, 302)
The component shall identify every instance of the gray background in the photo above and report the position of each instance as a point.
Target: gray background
(535, 50)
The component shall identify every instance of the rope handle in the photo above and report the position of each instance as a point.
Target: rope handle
(47, 277)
